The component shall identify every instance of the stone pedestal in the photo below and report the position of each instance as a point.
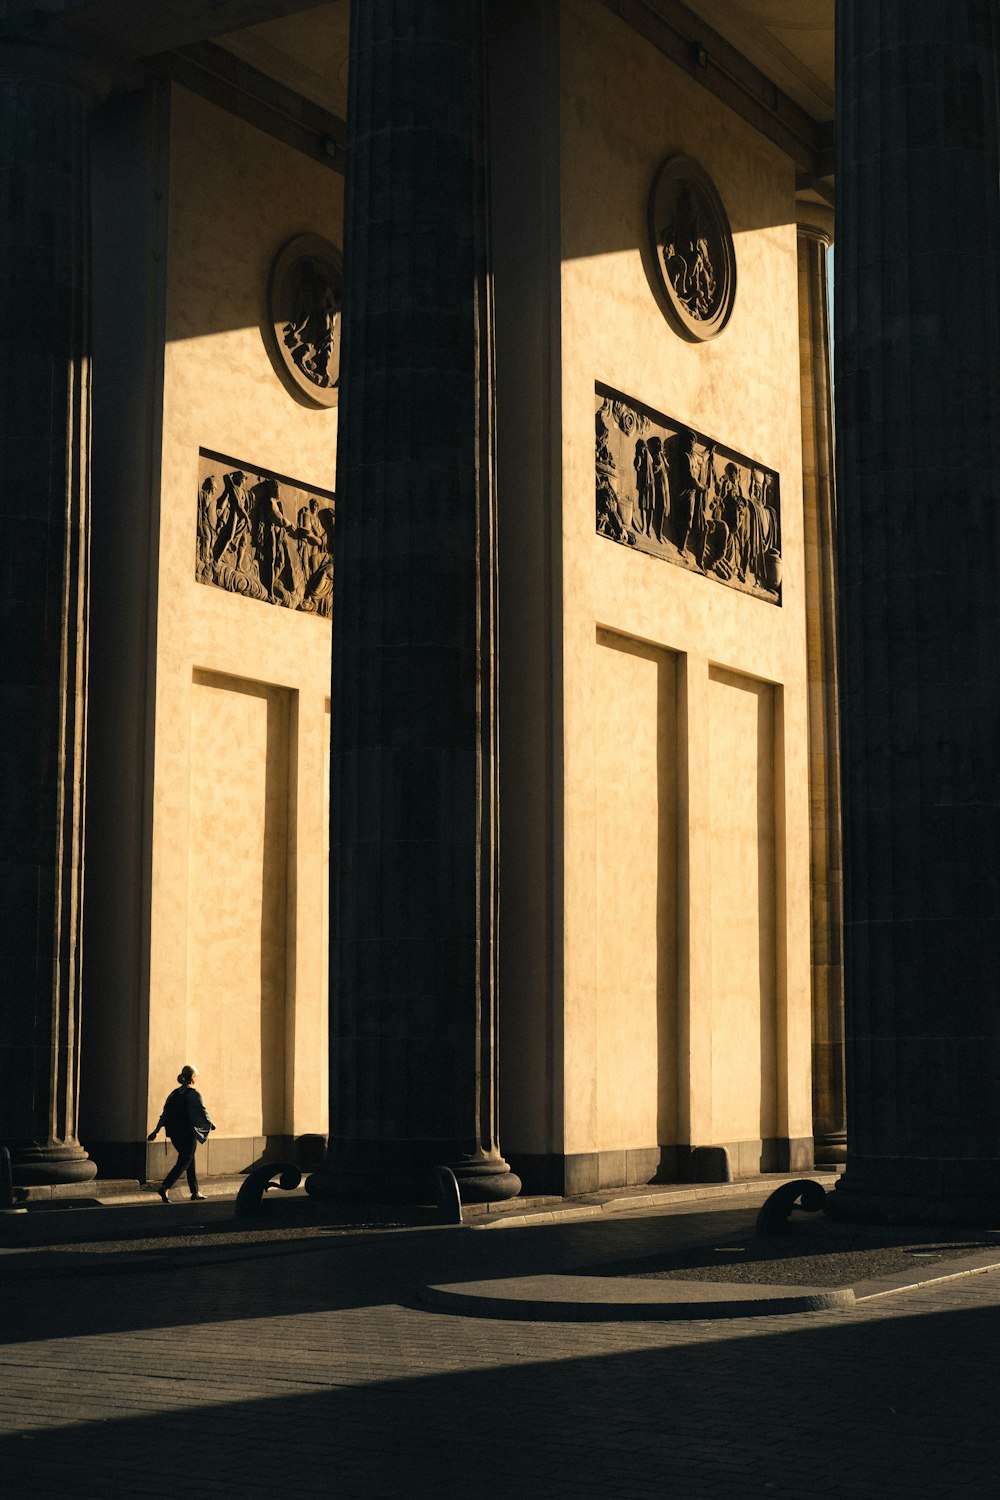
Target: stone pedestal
(820, 532)
(917, 398)
(414, 814)
(46, 95)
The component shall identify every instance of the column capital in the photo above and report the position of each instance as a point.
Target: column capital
(815, 220)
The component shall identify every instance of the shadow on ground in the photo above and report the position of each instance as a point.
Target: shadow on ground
(344, 1273)
(815, 1252)
(890, 1408)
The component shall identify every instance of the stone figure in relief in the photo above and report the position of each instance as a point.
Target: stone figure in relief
(762, 529)
(661, 488)
(643, 465)
(277, 562)
(725, 543)
(697, 472)
(311, 537)
(312, 335)
(208, 523)
(318, 596)
(611, 519)
(604, 454)
(687, 259)
(233, 544)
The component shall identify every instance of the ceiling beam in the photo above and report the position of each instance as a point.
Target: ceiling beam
(134, 29)
(725, 73)
(230, 83)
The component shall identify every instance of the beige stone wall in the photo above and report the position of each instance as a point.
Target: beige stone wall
(742, 901)
(238, 922)
(635, 1011)
(740, 857)
(239, 897)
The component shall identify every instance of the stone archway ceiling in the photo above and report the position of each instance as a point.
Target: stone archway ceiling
(307, 52)
(791, 41)
(770, 61)
(134, 29)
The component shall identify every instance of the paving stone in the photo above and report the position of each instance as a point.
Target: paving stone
(322, 1374)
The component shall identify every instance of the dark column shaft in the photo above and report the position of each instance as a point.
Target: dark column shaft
(413, 835)
(46, 94)
(918, 414)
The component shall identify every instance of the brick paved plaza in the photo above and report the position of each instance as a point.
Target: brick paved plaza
(321, 1374)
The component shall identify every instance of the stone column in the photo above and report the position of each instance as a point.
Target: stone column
(46, 95)
(414, 810)
(917, 399)
(820, 515)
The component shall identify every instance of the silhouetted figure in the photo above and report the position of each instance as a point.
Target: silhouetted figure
(186, 1122)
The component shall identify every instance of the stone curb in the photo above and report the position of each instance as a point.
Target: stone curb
(971, 1265)
(612, 1299)
(604, 1298)
(667, 1198)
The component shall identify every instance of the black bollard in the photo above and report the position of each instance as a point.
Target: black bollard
(773, 1217)
(449, 1196)
(258, 1180)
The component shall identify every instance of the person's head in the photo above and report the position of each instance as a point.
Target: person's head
(187, 1075)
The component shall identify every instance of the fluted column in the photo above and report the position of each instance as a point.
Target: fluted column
(414, 816)
(918, 429)
(46, 94)
(820, 529)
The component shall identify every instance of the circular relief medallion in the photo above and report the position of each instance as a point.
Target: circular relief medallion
(304, 298)
(693, 245)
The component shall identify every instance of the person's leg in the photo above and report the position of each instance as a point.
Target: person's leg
(185, 1155)
(192, 1174)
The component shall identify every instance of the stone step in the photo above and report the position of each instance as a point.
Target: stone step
(112, 1192)
(517, 1212)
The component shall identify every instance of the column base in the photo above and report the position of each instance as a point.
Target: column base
(403, 1172)
(46, 1166)
(830, 1148)
(489, 1180)
(859, 1196)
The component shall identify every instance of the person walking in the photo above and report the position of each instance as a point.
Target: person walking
(186, 1122)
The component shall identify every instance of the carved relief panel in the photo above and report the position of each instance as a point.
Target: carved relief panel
(305, 293)
(264, 536)
(674, 493)
(693, 246)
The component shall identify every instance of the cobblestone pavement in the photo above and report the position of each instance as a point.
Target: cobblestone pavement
(321, 1374)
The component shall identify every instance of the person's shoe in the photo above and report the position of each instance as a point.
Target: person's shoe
(163, 1194)
(199, 1198)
